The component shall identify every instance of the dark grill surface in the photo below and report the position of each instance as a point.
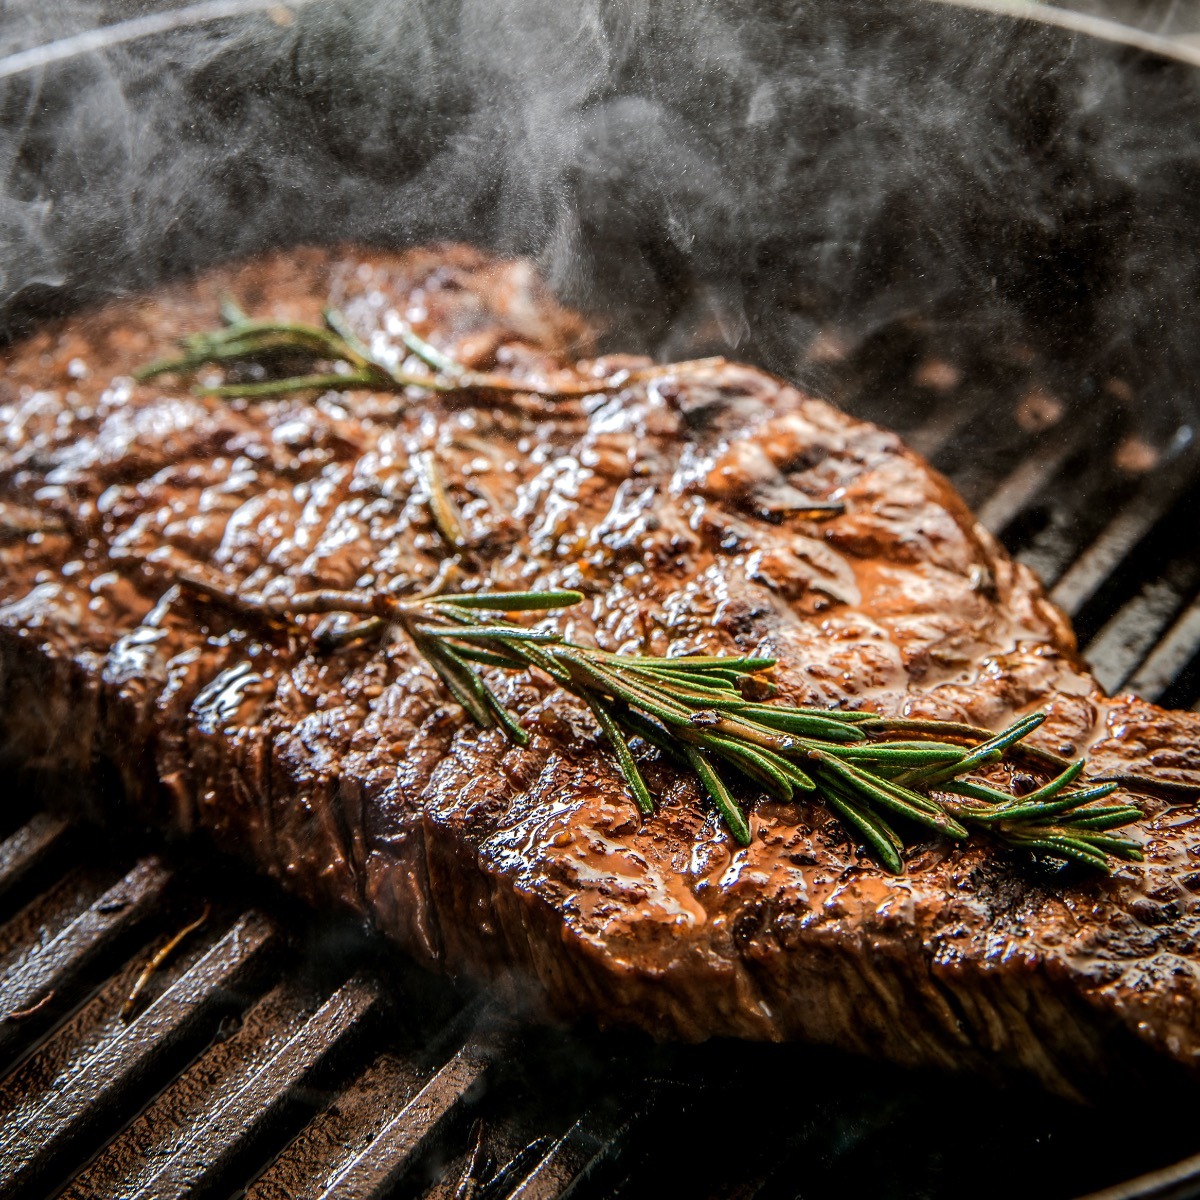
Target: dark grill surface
(276, 1056)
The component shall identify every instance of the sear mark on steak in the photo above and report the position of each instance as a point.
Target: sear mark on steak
(678, 508)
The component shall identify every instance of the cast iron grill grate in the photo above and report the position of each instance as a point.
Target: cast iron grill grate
(256, 1062)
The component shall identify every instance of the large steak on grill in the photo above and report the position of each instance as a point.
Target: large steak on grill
(682, 508)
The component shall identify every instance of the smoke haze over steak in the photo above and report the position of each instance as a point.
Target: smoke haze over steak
(743, 176)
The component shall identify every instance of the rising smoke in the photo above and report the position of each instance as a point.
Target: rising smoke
(758, 168)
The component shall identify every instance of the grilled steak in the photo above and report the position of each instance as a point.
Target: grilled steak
(682, 508)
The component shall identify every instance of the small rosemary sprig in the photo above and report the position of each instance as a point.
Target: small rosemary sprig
(878, 774)
(331, 357)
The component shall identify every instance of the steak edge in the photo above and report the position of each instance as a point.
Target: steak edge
(678, 507)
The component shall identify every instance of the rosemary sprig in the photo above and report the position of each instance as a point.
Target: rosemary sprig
(881, 776)
(332, 358)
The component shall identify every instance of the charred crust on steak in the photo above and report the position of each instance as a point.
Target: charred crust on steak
(349, 776)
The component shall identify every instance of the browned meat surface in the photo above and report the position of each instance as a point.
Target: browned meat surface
(677, 506)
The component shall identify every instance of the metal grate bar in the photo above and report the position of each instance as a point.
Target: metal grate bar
(1070, 513)
(553, 1174)
(340, 1133)
(70, 1044)
(37, 1137)
(601, 1173)
(1171, 657)
(1129, 637)
(1121, 537)
(939, 430)
(27, 849)
(48, 912)
(378, 1168)
(1034, 472)
(211, 1147)
(57, 965)
(243, 1044)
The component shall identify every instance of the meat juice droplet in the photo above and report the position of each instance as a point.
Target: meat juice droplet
(220, 702)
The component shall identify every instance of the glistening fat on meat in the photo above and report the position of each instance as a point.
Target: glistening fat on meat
(678, 507)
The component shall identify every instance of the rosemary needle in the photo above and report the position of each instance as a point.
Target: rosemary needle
(442, 507)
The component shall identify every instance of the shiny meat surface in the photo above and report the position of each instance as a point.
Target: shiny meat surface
(682, 508)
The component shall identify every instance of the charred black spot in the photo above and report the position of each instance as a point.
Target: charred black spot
(1149, 913)
(805, 460)
(747, 926)
(741, 617)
